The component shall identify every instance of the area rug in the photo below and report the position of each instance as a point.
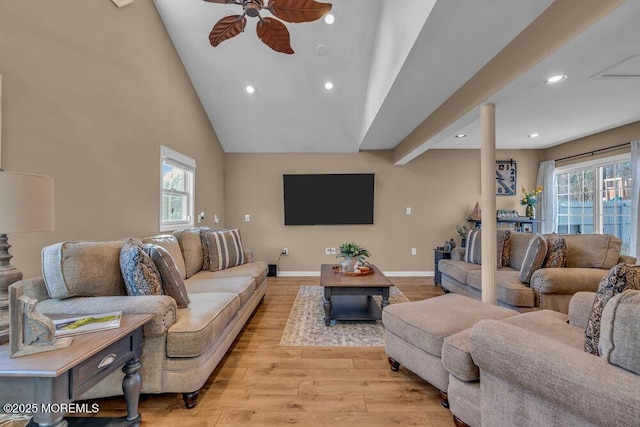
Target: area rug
(306, 327)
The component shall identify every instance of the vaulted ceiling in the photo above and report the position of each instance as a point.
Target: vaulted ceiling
(395, 63)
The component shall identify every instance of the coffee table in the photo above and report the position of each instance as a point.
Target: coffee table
(351, 297)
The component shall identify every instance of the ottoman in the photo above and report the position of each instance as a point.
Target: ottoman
(415, 333)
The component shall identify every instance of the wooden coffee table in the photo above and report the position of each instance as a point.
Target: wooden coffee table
(351, 297)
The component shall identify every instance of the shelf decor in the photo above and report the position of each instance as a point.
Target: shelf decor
(529, 199)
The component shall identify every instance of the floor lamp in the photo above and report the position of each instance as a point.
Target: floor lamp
(26, 205)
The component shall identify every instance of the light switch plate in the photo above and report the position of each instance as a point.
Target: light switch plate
(122, 3)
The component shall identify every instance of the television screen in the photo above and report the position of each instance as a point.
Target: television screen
(325, 199)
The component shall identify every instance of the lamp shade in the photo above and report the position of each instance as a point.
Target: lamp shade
(26, 203)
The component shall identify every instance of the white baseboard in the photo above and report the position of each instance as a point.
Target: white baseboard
(386, 273)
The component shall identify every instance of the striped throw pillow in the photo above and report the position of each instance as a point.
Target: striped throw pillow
(473, 253)
(225, 249)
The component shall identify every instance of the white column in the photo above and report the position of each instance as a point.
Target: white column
(488, 201)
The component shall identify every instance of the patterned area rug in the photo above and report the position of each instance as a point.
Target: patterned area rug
(306, 327)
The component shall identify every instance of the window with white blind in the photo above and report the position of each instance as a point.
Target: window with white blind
(177, 190)
(595, 197)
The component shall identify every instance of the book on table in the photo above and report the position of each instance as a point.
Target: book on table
(87, 323)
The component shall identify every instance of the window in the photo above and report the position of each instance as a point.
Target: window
(177, 190)
(595, 197)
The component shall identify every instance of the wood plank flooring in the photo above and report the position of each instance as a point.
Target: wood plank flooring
(260, 383)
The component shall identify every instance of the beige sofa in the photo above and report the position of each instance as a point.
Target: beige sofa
(182, 346)
(588, 258)
(532, 369)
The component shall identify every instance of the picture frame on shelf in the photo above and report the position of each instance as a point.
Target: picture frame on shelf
(527, 227)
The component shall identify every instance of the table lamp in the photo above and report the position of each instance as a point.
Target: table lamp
(26, 205)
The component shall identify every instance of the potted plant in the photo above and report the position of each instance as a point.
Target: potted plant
(352, 253)
(462, 231)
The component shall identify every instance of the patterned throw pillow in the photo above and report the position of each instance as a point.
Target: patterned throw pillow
(506, 248)
(172, 282)
(620, 278)
(225, 249)
(533, 258)
(556, 251)
(205, 248)
(140, 274)
(473, 253)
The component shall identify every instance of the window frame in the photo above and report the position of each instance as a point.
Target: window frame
(596, 167)
(188, 165)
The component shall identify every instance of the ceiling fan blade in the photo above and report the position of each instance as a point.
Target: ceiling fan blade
(227, 27)
(274, 34)
(298, 10)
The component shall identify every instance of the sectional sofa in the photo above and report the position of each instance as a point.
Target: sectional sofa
(587, 258)
(182, 345)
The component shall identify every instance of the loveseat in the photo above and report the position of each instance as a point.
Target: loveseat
(188, 334)
(523, 281)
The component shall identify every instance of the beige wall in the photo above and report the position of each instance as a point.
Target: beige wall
(441, 187)
(90, 93)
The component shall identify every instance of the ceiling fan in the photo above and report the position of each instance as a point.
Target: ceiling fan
(271, 31)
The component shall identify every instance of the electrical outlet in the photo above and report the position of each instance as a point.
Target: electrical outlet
(333, 251)
(413, 251)
(327, 251)
(200, 217)
(247, 218)
(216, 220)
(285, 251)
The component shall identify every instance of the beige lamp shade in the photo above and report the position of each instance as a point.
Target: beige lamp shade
(26, 203)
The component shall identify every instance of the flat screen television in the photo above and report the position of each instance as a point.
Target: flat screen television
(327, 199)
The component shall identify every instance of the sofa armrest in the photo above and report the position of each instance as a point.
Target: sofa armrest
(627, 259)
(568, 377)
(163, 308)
(566, 280)
(248, 255)
(580, 309)
(458, 253)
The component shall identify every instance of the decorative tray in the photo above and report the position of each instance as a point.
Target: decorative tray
(336, 269)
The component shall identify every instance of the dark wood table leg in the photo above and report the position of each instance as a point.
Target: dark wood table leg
(131, 385)
(385, 298)
(327, 305)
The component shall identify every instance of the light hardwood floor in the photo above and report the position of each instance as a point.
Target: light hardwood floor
(260, 383)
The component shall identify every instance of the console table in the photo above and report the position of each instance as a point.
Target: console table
(46, 383)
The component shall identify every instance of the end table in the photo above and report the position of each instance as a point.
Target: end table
(439, 254)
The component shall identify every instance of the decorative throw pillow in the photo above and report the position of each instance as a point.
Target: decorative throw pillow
(506, 248)
(618, 279)
(473, 252)
(533, 258)
(225, 249)
(619, 338)
(206, 264)
(140, 274)
(556, 251)
(172, 282)
(502, 236)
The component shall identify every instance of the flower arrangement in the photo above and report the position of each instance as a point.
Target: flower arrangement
(530, 199)
(462, 231)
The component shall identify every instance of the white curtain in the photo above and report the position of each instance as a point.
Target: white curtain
(634, 246)
(546, 209)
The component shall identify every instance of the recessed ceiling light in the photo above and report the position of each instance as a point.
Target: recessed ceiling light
(461, 135)
(250, 89)
(556, 79)
(328, 85)
(329, 18)
(533, 135)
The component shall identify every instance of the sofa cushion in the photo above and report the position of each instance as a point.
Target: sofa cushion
(519, 242)
(556, 251)
(457, 270)
(533, 258)
(170, 243)
(83, 269)
(427, 323)
(224, 249)
(172, 282)
(619, 331)
(140, 274)
(618, 279)
(191, 247)
(456, 357)
(200, 324)
(551, 324)
(205, 282)
(257, 270)
(510, 289)
(592, 250)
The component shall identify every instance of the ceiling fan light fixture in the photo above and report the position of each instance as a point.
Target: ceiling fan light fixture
(329, 18)
(556, 79)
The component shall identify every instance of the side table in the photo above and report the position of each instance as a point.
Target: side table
(46, 383)
(439, 254)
